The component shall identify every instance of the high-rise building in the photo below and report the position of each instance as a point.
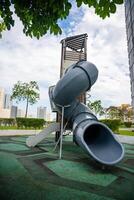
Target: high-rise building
(2, 98)
(41, 112)
(48, 116)
(20, 113)
(129, 15)
(4, 112)
(7, 101)
(13, 113)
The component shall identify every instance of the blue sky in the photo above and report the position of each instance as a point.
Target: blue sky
(25, 59)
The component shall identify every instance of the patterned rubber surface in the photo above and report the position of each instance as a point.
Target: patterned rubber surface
(38, 174)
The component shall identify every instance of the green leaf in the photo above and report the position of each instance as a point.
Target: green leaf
(79, 2)
(69, 6)
(112, 8)
(119, 1)
(94, 3)
(8, 26)
(102, 3)
(38, 17)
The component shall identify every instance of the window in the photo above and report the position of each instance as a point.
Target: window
(132, 14)
(129, 32)
(133, 101)
(132, 5)
(133, 29)
(127, 7)
(132, 88)
(130, 45)
(132, 72)
(128, 20)
(131, 57)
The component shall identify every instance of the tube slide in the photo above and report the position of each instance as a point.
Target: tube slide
(33, 140)
(93, 136)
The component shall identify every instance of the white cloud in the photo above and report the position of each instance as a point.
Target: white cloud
(107, 49)
(25, 59)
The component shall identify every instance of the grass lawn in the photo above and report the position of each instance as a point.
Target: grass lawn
(8, 127)
(121, 132)
(16, 128)
(125, 132)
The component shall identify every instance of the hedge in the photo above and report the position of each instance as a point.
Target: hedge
(112, 124)
(128, 124)
(30, 122)
(7, 122)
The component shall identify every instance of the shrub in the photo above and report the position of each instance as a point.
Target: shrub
(112, 124)
(128, 124)
(7, 122)
(30, 123)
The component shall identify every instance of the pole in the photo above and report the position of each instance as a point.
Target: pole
(61, 132)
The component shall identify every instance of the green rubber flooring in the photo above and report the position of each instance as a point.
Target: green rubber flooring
(38, 174)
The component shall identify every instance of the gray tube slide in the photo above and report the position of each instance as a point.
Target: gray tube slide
(93, 136)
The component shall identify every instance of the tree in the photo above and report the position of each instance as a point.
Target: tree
(113, 112)
(96, 107)
(26, 91)
(40, 16)
(126, 112)
(123, 112)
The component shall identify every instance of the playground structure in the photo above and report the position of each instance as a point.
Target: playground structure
(93, 136)
(90, 134)
(73, 49)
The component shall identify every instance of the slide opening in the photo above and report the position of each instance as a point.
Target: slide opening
(96, 133)
(102, 144)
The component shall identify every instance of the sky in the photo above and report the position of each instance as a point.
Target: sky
(25, 59)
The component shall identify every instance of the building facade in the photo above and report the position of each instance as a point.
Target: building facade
(1, 98)
(7, 101)
(14, 110)
(20, 113)
(41, 112)
(129, 16)
(4, 112)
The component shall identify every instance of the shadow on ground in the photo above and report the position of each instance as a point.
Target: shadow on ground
(37, 174)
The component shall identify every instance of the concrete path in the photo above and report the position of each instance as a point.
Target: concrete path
(126, 139)
(122, 138)
(127, 129)
(18, 132)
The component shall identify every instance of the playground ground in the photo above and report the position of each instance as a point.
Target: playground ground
(38, 174)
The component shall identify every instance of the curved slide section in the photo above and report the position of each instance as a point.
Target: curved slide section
(94, 137)
(33, 140)
(99, 141)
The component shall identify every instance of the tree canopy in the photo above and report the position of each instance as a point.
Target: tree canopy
(40, 16)
(26, 91)
(123, 112)
(96, 107)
